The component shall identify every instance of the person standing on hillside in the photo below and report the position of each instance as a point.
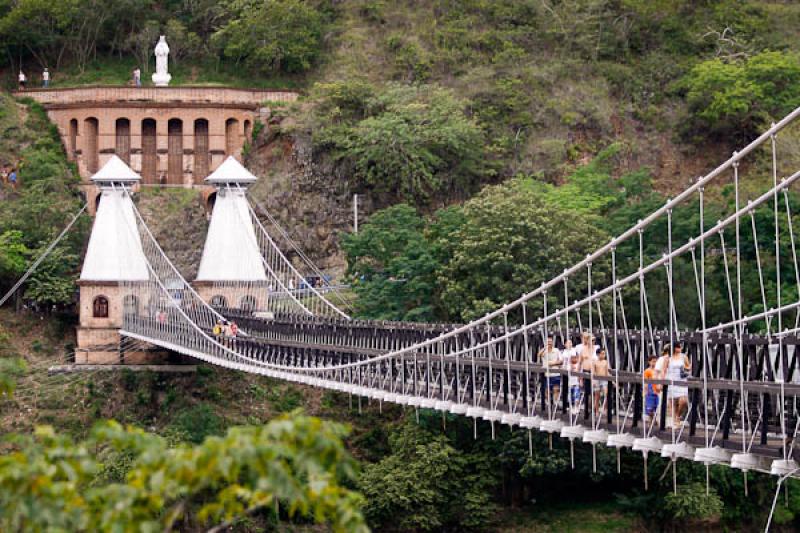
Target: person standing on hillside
(23, 79)
(12, 178)
(45, 78)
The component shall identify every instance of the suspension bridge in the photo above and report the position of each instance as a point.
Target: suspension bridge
(739, 378)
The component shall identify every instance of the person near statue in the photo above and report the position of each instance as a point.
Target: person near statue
(137, 77)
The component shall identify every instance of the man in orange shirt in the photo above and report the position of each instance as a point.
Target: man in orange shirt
(651, 390)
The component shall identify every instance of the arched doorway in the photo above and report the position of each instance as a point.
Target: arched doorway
(175, 152)
(200, 149)
(122, 146)
(149, 158)
(90, 131)
(73, 137)
(212, 199)
(231, 136)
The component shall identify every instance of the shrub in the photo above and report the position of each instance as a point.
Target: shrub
(742, 97)
(435, 146)
(198, 422)
(692, 502)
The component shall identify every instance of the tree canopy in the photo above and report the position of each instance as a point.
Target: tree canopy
(48, 481)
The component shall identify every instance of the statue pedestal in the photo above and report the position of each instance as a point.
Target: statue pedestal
(161, 80)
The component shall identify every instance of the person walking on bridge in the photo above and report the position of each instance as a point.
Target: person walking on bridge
(678, 395)
(45, 78)
(587, 354)
(550, 358)
(23, 80)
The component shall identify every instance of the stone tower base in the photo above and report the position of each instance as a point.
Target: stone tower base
(100, 346)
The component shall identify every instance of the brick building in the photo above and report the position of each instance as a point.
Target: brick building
(174, 136)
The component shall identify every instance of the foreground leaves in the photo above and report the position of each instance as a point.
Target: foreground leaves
(51, 483)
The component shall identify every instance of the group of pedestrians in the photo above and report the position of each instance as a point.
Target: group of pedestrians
(22, 79)
(225, 328)
(9, 177)
(587, 357)
(674, 366)
(590, 358)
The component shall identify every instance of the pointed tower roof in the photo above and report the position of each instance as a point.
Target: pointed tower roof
(116, 171)
(231, 171)
(115, 248)
(231, 251)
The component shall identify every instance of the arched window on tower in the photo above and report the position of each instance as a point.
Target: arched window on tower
(100, 307)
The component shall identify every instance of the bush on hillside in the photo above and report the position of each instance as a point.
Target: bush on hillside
(739, 98)
(411, 143)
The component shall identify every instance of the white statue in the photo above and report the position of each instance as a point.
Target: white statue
(161, 77)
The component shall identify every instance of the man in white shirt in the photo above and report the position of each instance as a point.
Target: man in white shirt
(46, 78)
(550, 358)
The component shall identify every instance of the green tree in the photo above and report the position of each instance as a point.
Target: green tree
(408, 143)
(272, 35)
(13, 253)
(742, 97)
(512, 241)
(426, 484)
(49, 482)
(392, 266)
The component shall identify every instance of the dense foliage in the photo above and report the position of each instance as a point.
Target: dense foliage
(468, 259)
(274, 36)
(49, 482)
(740, 97)
(36, 211)
(407, 141)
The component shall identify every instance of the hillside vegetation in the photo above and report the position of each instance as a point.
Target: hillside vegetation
(493, 142)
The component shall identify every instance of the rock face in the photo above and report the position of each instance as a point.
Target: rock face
(178, 221)
(310, 201)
